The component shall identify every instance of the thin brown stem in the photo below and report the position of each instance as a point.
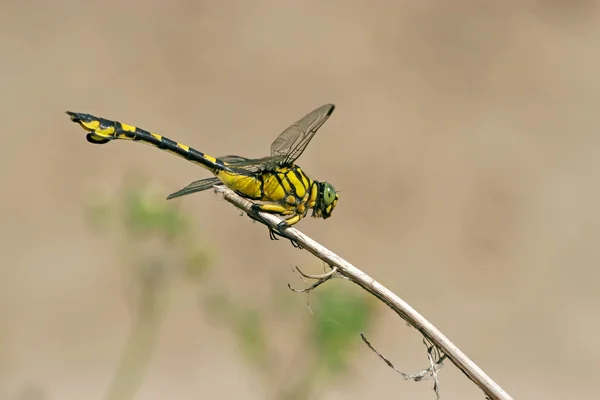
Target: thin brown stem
(403, 309)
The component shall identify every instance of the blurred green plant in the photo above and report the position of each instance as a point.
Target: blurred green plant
(324, 347)
(158, 241)
(343, 316)
(140, 213)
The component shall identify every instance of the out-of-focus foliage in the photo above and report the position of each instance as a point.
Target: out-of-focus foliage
(159, 241)
(157, 244)
(342, 315)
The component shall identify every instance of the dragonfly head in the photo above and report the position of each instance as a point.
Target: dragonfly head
(327, 199)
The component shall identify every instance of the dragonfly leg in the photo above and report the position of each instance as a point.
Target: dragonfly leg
(286, 224)
(255, 216)
(278, 210)
(289, 222)
(273, 209)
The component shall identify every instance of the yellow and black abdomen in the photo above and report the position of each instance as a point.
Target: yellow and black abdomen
(102, 131)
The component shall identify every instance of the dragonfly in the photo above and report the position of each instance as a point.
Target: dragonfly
(275, 184)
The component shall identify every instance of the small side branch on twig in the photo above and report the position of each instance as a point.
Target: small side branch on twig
(436, 362)
(437, 341)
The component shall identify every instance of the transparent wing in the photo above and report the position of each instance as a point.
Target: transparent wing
(234, 159)
(291, 143)
(194, 187)
(288, 146)
(243, 165)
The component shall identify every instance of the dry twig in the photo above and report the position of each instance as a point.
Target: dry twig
(344, 269)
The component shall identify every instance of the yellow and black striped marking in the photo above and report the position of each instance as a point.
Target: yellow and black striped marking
(102, 131)
(276, 180)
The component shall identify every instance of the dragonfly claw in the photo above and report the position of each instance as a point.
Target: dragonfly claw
(273, 232)
(282, 225)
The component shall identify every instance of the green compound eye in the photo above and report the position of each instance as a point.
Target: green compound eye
(328, 194)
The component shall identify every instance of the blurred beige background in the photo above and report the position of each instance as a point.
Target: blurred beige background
(465, 143)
